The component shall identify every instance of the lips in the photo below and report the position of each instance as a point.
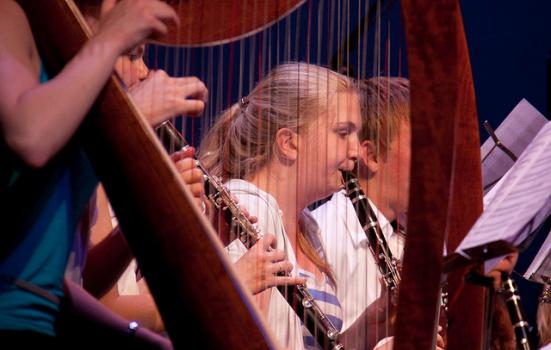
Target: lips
(348, 165)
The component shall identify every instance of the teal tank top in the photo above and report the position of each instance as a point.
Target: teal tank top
(44, 233)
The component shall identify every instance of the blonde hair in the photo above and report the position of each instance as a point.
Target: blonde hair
(384, 105)
(292, 95)
(241, 142)
(544, 323)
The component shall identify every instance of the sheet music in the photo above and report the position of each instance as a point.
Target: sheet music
(515, 132)
(541, 265)
(520, 201)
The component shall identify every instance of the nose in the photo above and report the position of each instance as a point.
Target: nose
(141, 70)
(353, 151)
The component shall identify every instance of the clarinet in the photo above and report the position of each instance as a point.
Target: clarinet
(298, 296)
(387, 263)
(512, 300)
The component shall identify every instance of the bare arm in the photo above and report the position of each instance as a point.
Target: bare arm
(109, 255)
(84, 319)
(141, 308)
(37, 120)
(105, 263)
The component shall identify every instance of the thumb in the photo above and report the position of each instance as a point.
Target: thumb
(186, 152)
(268, 241)
(107, 6)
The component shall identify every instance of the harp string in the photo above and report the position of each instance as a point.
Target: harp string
(257, 54)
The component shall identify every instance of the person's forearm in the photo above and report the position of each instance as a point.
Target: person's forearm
(82, 313)
(141, 308)
(39, 122)
(105, 263)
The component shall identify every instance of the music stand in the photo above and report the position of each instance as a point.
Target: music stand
(514, 209)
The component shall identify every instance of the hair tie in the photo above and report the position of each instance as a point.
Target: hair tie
(244, 103)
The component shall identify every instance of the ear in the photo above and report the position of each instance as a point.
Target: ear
(286, 143)
(368, 156)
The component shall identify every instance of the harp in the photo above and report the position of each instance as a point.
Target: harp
(156, 233)
(221, 306)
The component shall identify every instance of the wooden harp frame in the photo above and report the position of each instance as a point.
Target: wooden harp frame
(189, 274)
(446, 186)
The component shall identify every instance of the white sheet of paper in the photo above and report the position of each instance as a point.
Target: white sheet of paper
(515, 132)
(520, 201)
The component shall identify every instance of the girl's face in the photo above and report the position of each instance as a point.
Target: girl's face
(131, 68)
(327, 145)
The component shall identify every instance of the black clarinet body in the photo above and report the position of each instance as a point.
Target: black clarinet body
(388, 265)
(386, 262)
(298, 297)
(514, 306)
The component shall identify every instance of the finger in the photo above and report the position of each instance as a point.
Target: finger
(276, 255)
(197, 190)
(186, 164)
(186, 152)
(188, 80)
(158, 27)
(253, 219)
(244, 210)
(196, 90)
(166, 12)
(194, 176)
(191, 107)
(439, 341)
(285, 280)
(282, 266)
(235, 199)
(106, 6)
(161, 73)
(268, 241)
(180, 105)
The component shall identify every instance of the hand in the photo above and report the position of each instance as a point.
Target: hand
(191, 175)
(259, 267)
(440, 345)
(505, 265)
(222, 220)
(129, 22)
(161, 97)
(388, 344)
(383, 309)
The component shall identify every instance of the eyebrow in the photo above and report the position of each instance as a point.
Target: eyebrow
(347, 124)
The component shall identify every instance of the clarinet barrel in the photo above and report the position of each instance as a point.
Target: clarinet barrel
(514, 306)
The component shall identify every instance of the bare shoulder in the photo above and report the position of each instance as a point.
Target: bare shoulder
(16, 36)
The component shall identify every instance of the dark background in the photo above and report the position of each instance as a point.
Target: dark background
(509, 43)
